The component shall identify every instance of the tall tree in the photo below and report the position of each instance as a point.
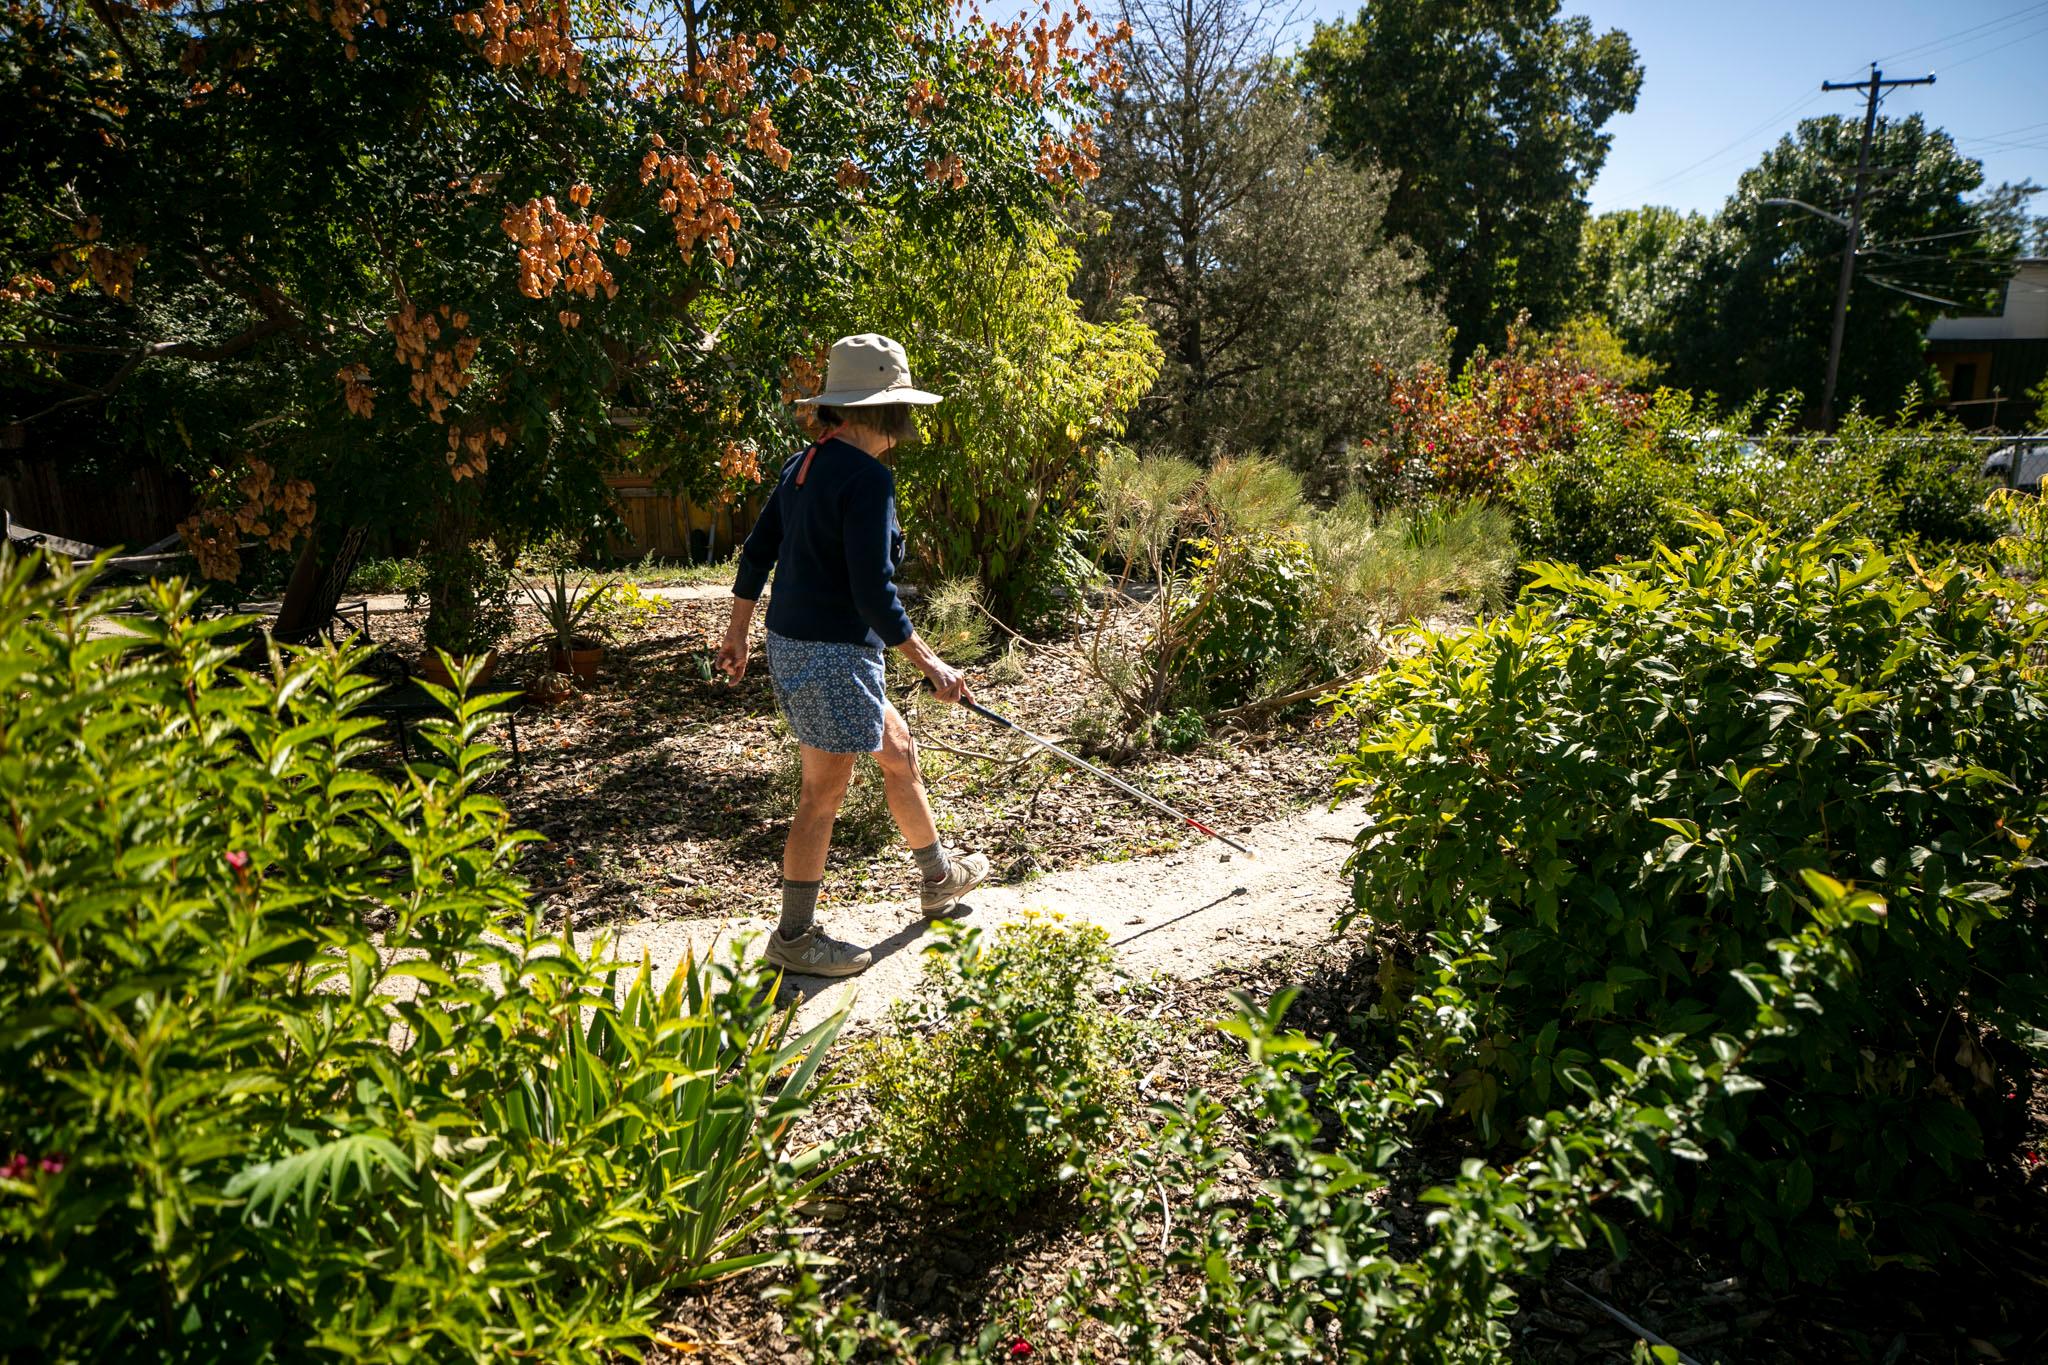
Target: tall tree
(1490, 113)
(1264, 262)
(403, 261)
(1743, 303)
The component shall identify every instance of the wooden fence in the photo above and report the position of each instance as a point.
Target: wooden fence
(671, 526)
(133, 509)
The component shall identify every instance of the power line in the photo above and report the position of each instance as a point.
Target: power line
(2004, 43)
(1962, 34)
(1739, 142)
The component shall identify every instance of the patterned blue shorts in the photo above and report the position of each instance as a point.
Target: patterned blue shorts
(831, 692)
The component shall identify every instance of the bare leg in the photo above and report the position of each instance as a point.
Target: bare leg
(810, 833)
(903, 784)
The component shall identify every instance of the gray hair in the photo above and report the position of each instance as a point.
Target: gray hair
(893, 420)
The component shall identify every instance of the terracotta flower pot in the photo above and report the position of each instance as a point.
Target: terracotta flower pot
(580, 662)
(429, 668)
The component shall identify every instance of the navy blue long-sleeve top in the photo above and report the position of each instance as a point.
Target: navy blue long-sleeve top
(834, 546)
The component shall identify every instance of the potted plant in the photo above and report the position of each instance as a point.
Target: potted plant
(571, 634)
(550, 688)
(468, 588)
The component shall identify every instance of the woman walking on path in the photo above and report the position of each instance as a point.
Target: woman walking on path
(830, 535)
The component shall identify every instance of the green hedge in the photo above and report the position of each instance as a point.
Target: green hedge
(1617, 788)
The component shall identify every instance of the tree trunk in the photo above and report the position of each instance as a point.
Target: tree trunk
(318, 581)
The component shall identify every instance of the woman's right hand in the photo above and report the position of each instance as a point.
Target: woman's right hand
(948, 683)
(732, 655)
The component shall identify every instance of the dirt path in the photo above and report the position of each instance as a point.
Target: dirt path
(1184, 913)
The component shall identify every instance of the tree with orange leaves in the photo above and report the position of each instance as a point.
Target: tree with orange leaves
(436, 266)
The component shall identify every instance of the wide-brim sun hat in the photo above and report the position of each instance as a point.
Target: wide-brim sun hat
(866, 371)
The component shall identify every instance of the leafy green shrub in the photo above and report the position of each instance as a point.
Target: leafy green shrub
(1002, 1069)
(1618, 787)
(387, 575)
(1248, 601)
(1605, 499)
(1181, 731)
(300, 1073)
(1622, 488)
(2023, 548)
(1303, 1263)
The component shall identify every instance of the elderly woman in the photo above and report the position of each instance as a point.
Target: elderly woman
(830, 535)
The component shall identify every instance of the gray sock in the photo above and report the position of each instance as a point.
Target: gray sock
(799, 908)
(931, 860)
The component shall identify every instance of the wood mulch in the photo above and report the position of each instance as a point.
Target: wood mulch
(662, 792)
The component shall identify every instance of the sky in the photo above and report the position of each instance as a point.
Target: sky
(1724, 81)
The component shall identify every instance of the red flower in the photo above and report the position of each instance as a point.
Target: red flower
(238, 861)
(52, 1164)
(16, 1167)
(1020, 1348)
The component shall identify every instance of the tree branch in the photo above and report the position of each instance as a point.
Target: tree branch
(184, 350)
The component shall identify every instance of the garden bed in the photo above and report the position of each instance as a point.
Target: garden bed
(662, 792)
(949, 1277)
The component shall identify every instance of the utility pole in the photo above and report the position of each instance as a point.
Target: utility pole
(1875, 86)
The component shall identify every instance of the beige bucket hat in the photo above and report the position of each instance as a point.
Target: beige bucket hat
(867, 371)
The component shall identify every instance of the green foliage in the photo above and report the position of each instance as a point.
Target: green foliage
(2023, 549)
(1181, 731)
(1609, 497)
(1616, 791)
(624, 609)
(304, 1076)
(1618, 490)
(1379, 567)
(1268, 271)
(1591, 345)
(1741, 303)
(571, 614)
(469, 587)
(1258, 596)
(1034, 392)
(1490, 117)
(1249, 599)
(387, 575)
(1001, 1071)
(1307, 1263)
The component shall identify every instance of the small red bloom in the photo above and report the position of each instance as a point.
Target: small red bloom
(238, 861)
(16, 1167)
(52, 1164)
(1021, 1348)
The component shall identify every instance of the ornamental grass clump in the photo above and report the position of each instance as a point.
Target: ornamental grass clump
(302, 1076)
(1617, 790)
(1001, 1073)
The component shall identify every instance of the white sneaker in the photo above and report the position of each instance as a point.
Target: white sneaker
(816, 953)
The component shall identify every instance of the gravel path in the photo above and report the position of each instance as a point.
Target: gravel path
(1184, 913)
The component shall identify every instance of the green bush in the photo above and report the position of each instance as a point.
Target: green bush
(1248, 603)
(1610, 497)
(299, 1074)
(1317, 1259)
(1623, 488)
(1618, 787)
(387, 575)
(1002, 1070)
